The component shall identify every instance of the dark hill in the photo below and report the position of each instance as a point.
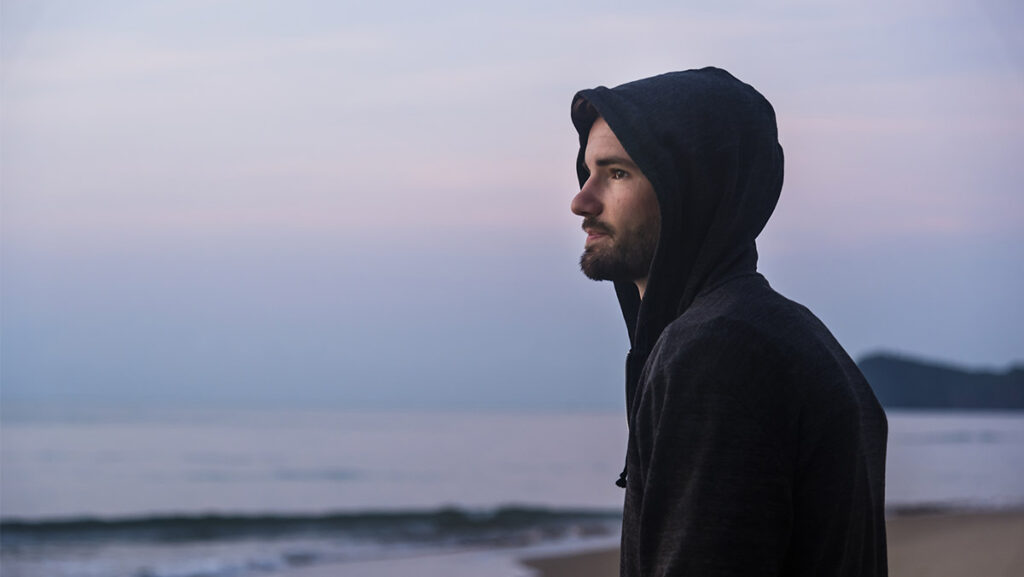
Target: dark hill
(900, 382)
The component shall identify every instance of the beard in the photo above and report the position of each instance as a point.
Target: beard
(622, 256)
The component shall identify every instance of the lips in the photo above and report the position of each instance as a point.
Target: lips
(595, 230)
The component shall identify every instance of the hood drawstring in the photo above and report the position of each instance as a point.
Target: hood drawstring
(635, 361)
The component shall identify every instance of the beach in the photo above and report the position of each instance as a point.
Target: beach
(959, 544)
(989, 544)
(303, 493)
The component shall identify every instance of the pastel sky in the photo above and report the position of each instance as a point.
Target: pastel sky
(366, 204)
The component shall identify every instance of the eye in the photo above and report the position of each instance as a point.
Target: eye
(618, 174)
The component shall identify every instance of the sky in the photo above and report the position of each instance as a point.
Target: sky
(367, 204)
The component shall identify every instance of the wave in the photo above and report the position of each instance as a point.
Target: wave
(510, 525)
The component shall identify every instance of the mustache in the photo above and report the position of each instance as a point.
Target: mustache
(591, 223)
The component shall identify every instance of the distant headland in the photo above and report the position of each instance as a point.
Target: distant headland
(902, 382)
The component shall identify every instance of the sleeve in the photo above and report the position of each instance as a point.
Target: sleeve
(715, 473)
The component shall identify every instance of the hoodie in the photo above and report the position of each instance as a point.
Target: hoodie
(756, 447)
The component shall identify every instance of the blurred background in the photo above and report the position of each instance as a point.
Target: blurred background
(310, 266)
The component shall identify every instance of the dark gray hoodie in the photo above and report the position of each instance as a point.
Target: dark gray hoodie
(756, 447)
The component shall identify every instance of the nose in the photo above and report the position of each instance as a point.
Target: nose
(586, 202)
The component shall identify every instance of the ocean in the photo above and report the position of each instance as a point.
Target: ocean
(171, 492)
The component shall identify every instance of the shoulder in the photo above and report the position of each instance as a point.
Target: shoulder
(721, 357)
(747, 317)
(730, 332)
(748, 341)
(717, 383)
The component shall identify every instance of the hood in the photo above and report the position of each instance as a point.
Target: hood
(709, 146)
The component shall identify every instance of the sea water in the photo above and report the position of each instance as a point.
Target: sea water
(958, 459)
(176, 492)
(214, 492)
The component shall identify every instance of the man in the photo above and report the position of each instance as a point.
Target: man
(755, 445)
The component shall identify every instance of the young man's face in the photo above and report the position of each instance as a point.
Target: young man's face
(620, 212)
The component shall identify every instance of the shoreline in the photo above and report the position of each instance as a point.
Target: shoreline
(922, 542)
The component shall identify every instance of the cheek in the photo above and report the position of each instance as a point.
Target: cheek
(654, 214)
(647, 208)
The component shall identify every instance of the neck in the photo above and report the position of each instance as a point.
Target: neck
(641, 285)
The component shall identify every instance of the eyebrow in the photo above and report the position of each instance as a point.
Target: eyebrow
(610, 160)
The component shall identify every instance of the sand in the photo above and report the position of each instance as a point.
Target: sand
(596, 564)
(927, 545)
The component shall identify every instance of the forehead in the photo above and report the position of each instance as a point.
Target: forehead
(602, 143)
